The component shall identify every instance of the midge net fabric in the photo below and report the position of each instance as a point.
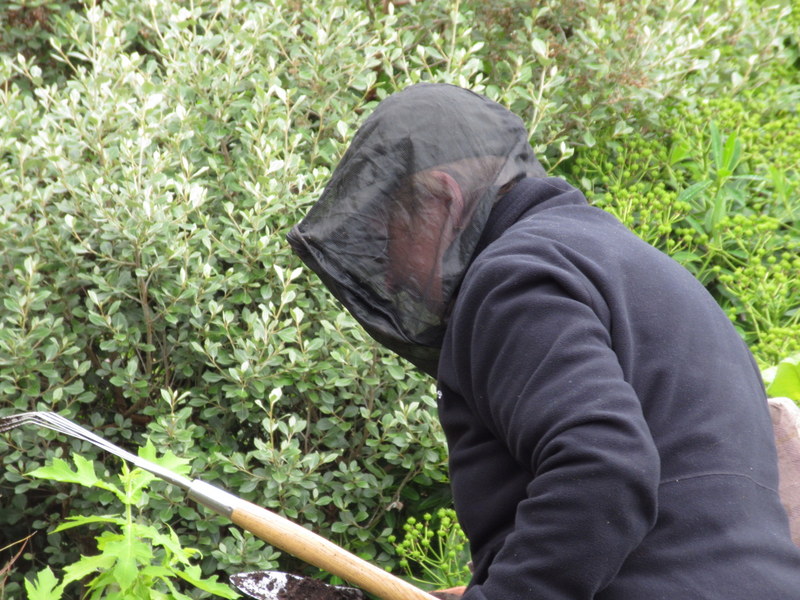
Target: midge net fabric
(397, 225)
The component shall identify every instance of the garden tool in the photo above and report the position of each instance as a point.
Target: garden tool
(270, 527)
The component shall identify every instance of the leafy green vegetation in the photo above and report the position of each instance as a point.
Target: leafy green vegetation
(434, 550)
(719, 193)
(136, 560)
(783, 380)
(154, 154)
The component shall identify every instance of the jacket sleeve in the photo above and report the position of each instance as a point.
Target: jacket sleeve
(536, 363)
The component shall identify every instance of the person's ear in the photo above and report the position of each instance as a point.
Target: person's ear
(449, 193)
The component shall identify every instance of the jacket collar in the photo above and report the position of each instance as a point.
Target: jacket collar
(529, 196)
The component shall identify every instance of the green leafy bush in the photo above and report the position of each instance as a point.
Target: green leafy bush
(717, 192)
(28, 26)
(154, 155)
(148, 291)
(602, 70)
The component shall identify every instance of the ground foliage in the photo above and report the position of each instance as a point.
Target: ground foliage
(154, 154)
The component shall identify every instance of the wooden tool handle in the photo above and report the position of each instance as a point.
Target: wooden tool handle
(316, 550)
(304, 544)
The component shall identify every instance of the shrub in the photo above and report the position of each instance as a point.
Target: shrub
(601, 70)
(148, 291)
(27, 29)
(716, 192)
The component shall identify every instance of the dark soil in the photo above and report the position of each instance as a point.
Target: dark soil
(303, 588)
(268, 585)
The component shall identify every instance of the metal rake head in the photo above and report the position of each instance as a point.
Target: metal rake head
(56, 422)
(42, 419)
(13, 421)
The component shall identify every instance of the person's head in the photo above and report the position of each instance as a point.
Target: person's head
(427, 212)
(400, 219)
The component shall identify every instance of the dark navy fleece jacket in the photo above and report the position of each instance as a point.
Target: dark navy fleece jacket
(608, 429)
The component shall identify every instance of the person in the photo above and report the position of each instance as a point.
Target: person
(608, 429)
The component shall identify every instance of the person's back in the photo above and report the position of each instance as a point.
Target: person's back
(587, 354)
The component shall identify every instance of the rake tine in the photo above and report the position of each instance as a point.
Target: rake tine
(63, 425)
(31, 418)
(13, 421)
(50, 421)
(58, 423)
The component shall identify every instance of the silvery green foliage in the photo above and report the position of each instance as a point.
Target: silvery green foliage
(148, 290)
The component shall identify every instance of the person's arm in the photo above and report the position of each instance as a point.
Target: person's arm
(542, 375)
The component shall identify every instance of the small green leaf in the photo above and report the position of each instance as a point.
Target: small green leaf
(87, 565)
(719, 211)
(396, 371)
(44, 587)
(135, 482)
(539, 47)
(60, 470)
(12, 304)
(678, 152)
(97, 319)
(168, 460)
(690, 193)
(80, 520)
(129, 551)
(622, 128)
(716, 145)
(786, 382)
(194, 576)
(177, 595)
(169, 542)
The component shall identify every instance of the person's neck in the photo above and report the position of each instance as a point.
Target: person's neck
(528, 196)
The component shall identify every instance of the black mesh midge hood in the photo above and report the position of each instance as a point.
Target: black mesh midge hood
(375, 237)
